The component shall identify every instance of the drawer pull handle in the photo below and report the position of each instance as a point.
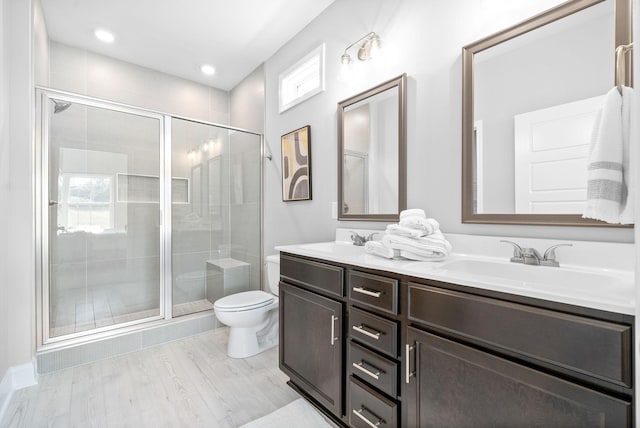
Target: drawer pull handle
(408, 373)
(333, 329)
(360, 366)
(366, 420)
(367, 292)
(360, 329)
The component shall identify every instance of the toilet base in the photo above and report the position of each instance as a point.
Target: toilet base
(248, 341)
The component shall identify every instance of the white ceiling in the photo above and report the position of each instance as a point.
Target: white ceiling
(178, 36)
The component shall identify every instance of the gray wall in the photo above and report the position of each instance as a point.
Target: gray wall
(246, 102)
(17, 293)
(87, 73)
(423, 39)
(4, 163)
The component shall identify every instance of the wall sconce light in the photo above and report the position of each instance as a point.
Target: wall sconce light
(368, 48)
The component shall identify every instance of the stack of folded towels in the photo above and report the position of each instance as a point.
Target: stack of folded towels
(416, 237)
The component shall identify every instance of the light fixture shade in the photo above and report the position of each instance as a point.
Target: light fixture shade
(376, 47)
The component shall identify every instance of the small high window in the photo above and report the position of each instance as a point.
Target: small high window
(302, 80)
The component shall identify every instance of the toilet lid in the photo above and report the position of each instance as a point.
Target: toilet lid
(244, 301)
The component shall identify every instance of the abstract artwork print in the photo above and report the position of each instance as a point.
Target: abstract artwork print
(296, 165)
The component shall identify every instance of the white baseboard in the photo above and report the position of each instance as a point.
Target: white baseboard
(15, 378)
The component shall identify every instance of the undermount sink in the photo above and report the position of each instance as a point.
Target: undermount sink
(554, 280)
(334, 248)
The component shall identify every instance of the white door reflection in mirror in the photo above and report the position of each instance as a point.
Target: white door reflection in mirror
(564, 62)
(551, 153)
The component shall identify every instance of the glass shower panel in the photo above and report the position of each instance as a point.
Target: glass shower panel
(104, 232)
(213, 254)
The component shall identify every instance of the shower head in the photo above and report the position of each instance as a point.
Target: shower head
(60, 106)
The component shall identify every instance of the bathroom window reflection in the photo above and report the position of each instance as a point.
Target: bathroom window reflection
(86, 203)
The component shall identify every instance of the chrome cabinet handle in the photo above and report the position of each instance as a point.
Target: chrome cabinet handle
(333, 329)
(360, 366)
(367, 292)
(366, 420)
(360, 329)
(407, 366)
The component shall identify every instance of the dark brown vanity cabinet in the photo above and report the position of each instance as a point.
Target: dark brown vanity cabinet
(373, 361)
(311, 330)
(396, 351)
(480, 361)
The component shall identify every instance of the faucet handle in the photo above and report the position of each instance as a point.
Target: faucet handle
(370, 237)
(357, 239)
(517, 251)
(549, 258)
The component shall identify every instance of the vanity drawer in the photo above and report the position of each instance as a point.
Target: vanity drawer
(593, 347)
(369, 409)
(374, 369)
(374, 291)
(375, 331)
(318, 276)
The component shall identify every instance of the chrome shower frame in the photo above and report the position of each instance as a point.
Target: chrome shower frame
(44, 341)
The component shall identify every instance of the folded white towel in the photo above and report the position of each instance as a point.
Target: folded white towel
(433, 246)
(396, 229)
(417, 257)
(427, 225)
(607, 185)
(414, 212)
(377, 248)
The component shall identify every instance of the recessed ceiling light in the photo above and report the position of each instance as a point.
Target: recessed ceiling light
(207, 69)
(104, 35)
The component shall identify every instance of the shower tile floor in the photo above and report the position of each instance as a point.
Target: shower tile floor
(75, 314)
(189, 382)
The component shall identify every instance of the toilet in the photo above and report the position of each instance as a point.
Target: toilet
(252, 316)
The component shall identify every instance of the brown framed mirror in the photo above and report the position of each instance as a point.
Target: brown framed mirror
(530, 94)
(372, 141)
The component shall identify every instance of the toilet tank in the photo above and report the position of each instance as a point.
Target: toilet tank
(272, 265)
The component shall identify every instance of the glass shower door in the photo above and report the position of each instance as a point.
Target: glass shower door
(103, 185)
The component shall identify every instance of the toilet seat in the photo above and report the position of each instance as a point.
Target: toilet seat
(244, 301)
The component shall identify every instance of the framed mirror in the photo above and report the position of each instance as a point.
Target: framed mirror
(372, 141)
(530, 96)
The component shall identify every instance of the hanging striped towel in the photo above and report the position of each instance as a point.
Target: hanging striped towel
(606, 186)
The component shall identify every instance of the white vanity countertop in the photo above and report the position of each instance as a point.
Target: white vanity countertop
(591, 274)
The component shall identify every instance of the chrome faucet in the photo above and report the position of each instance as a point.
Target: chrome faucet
(549, 258)
(359, 240)
(531, 256)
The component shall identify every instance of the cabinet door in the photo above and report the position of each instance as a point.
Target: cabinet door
(311, 345)
(453, 385)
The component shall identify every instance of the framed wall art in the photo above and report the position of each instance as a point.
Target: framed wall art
(296, 165)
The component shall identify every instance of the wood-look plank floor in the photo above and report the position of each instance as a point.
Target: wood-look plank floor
(186, 383)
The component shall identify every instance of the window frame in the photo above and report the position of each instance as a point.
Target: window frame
(294, 77)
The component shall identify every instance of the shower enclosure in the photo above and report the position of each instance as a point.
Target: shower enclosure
(141, 216)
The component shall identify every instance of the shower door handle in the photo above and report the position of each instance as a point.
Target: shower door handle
(52, 203)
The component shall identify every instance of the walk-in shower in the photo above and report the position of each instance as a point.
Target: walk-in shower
(141, 216)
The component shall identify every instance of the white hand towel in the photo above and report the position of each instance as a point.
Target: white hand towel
(414, 212)
(627, 209)
(427, 225)
(429, 247)
(377, 248)
(396, 229)
(607, 189)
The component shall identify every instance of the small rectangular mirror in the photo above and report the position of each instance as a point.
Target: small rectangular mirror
(372, 128)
